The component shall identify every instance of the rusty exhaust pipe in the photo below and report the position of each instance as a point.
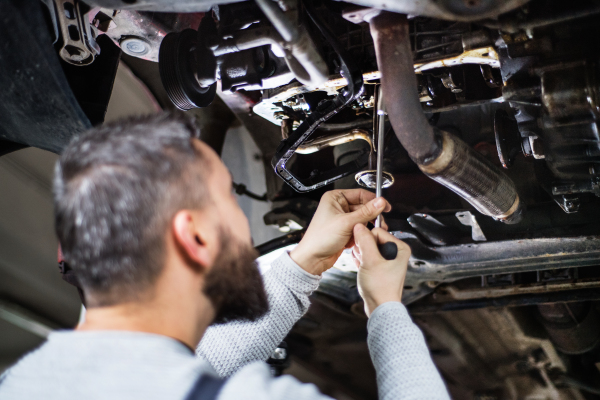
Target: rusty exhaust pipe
(440, 155)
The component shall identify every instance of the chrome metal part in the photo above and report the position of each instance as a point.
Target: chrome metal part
(368, 179)
(380, 142)
(313, 146)
(78, 45)
(466, 218)
(279, 354)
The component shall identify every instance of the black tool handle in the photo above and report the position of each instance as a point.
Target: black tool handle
(388, 250)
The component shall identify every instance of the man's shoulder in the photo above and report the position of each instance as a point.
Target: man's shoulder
(98, 366)
(29, 363)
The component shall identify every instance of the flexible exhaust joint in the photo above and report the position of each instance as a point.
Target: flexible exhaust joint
(440, 155)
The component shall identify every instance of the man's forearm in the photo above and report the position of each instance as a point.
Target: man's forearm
(404, 366)
(230, 346)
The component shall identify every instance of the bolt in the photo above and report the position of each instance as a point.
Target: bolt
(279, 354)
(135, 46)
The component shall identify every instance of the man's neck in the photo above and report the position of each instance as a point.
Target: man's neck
(178, 320)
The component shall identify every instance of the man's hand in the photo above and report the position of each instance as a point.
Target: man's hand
(330, 230)
(379, 280)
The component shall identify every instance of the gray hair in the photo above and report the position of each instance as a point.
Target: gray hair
(116, 190)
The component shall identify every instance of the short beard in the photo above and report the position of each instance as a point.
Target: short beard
(234, 285)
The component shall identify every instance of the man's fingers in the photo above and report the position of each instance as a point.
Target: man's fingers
(356, 256)
(367, 212)
(350, 243)
(357, 196)
(383, 224)
(366, 242)
(382, 236)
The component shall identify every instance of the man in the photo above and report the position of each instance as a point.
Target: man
(147, 220)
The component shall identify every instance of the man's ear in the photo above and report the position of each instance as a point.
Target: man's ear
(188, 235)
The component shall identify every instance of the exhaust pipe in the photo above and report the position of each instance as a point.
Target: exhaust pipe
(440, 155)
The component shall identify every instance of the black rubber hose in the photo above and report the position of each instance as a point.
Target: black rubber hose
(440, 155)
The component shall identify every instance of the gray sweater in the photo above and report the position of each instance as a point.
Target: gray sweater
(130, 365)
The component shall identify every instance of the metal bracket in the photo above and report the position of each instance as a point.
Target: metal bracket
(325, 110)
(78, 44)
(466, 218)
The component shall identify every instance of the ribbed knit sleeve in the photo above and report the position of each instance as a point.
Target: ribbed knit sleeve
(404, 366)
(230, 346)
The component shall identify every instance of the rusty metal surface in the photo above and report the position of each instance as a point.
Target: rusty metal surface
(451, 292)
(431, 265)
(571, 296)
(148, 27)
(445, 9)
(466, 260)
(488, 353)
(574, 328)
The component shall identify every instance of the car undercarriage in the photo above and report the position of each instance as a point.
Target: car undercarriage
(490, 112)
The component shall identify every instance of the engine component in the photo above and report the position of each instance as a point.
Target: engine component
(573, 327)
(301, 55)
(176, 63)
(242, 58)
(440, 155)
(554, 91)
(368, 179)
(78, 46)
(467, 173)
(377, 179)
(300, 58)
(291, 215)
(139, 33)
(269, 107)
(433, 230)
(315, 145)
(468, 219)
(448, 263)
(571, 96)
(508, 139)
(325, 110)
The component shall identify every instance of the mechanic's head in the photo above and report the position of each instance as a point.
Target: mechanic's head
(143, 204)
